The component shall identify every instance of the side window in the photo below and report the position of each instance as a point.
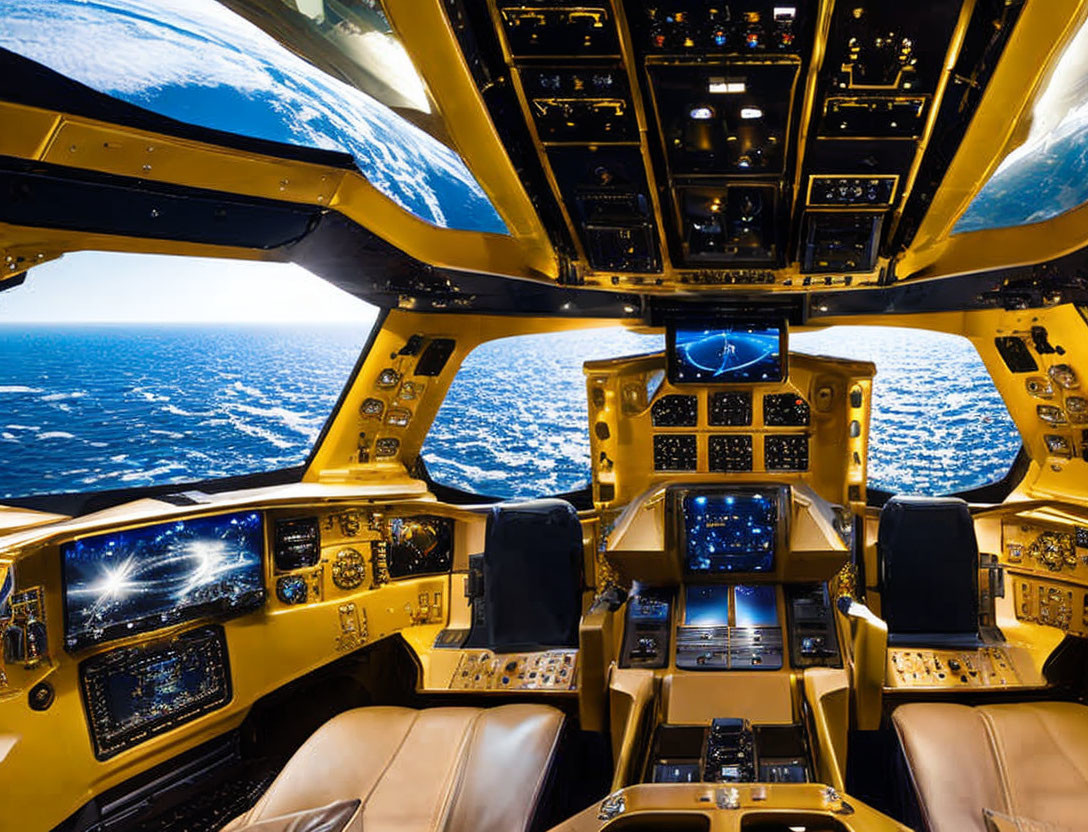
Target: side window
(126, 370)
(939, 426)
(514, 423)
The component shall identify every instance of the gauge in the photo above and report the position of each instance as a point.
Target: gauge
(348, 569)
(1054, 550)
(419, 545)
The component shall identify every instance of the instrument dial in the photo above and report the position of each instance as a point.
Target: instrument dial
(348, 569)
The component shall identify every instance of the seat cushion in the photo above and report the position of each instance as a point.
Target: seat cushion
(1025, 760)
(429, 770)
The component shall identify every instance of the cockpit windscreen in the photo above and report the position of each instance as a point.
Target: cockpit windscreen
(729, 531)
(127, 582)
(721, 354)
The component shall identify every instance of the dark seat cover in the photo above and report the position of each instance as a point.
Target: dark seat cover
(532, 578)
(929, 571)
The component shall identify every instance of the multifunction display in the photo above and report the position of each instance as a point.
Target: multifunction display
(723, 354)
(134, 693)
(132, 581)
(729, 531)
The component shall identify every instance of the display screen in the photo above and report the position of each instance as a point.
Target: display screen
(419, 545)
(754, 606)
(707, 606)
(134, 693)
(729, 531)
(142, 579)
(723, 354)
(648, 609)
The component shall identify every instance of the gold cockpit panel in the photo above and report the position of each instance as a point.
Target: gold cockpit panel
(812, 428)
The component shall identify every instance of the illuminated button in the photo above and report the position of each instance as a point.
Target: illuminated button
(387, 446)
(388, 377)
(1064, 376)
(1050, 414)
(372, 408)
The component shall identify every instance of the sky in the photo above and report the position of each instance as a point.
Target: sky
(103, 287)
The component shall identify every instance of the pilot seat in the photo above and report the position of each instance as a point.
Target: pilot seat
(1016, 766)
(450, 769)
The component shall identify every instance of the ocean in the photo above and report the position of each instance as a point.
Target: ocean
(87, 408)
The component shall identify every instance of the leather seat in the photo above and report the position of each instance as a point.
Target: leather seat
(1026, 760)
(434, 770)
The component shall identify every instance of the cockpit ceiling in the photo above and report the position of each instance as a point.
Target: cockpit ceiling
(646, 147)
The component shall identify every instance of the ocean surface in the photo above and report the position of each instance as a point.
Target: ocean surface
(101, 407)
(514, 423)
(98, 407)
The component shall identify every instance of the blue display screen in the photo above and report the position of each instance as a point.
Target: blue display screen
(754, 606)
(142, 579)
(707, 605)
(729, 532)
(718, 355)
(649, 609)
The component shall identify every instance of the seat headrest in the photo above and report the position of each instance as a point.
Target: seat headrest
(928, 569)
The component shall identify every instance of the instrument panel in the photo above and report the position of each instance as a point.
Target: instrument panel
(646, 429)
(337, 552)
(753, 111)
(135, 693)
(1047, 560)
(144, 610)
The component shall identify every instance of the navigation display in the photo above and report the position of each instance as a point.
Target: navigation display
(732, 531)
(128, 582)
(707, 606)
(722, 354)
(754, 606)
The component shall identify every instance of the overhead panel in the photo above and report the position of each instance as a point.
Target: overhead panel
(735, 143)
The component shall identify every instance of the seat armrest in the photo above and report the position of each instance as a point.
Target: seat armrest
(868, 662)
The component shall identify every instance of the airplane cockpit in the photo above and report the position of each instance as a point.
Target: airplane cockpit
(728, 623)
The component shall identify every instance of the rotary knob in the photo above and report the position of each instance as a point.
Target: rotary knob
(348, 569)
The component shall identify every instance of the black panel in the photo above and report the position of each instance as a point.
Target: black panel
(135, 693)
(1014, 352)
(857, 191)
(730, 409)
(49, 196)
(811, 624)
(606, 194)
(559, 27)
(711, 131)
(686, 27)
(729, 452)
(730, 752)
(674, 452)
(580, 104)
(675, 411)
(296, 543)
(785, 410)
(840, 242)
(434, 358)
(646, 630)
(419, 545)
(882, 60)
(788, 452)
(729, 224)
